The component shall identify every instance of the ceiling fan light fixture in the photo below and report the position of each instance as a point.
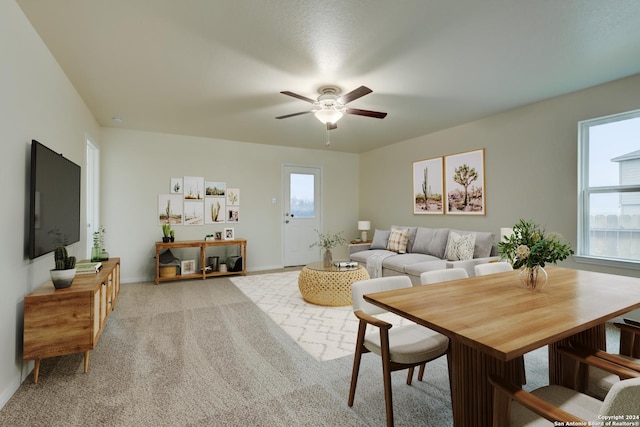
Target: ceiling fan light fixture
(329, 115)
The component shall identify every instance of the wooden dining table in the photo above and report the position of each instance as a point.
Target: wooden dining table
(492, 321)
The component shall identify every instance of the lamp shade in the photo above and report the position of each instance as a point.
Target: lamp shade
(505, 232)
(328, 115)
(364, 225)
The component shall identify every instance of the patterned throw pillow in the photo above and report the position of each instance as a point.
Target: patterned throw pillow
(460, 246)
(398, 239)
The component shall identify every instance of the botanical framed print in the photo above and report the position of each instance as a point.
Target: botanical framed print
(188, 266)
(170, 209)
(464, 183)
(215, 189)
(228, 234)
(214, 210)
(233, 196)
(428, 187)
(193, 213)
(193, 188)
(176, 186)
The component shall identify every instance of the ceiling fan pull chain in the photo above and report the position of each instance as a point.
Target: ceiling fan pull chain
(328, 142)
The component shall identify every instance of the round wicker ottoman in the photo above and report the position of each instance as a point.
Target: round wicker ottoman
(329, 286)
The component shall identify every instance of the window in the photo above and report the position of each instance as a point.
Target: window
(302, 192)
(609, 190)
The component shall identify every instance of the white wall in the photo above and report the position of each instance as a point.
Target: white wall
(37, 102)
(530, 165)
(137, 166)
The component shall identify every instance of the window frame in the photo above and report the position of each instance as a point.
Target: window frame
(585, 191)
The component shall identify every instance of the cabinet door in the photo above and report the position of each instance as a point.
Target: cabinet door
(96, 314)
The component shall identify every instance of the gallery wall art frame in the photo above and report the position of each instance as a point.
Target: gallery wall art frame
(215, 189)
(214, 210)
(464, 180)
(428, 187)
(193, 188)
(233, 196)
(193, 212)
(170, 209)
(176, 186)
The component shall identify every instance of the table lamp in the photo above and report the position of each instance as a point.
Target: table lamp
(364, 226)
(505, 233)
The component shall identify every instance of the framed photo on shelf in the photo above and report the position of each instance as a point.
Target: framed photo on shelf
(228, 234)
(188, 266)
(428, 187)
(464, 183)
(218, 235)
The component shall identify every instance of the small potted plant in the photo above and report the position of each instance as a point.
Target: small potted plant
(327, 242)
(166, 232)
(172, 235)
(65, 266)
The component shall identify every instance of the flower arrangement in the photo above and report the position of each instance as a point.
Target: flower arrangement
(328, 241)
(529, 246)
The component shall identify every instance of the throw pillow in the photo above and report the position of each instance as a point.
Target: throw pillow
(398, 240)
(380, 239)
(460, 246)
(484, 243)
(411, 236)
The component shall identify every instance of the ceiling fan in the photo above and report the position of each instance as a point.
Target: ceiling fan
(330, 107)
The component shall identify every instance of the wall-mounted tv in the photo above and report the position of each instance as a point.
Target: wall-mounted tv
(54, 200)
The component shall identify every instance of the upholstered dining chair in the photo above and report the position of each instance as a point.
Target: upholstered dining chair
(598, 381)
(444, 275)
(400, 347)
(558, 405)
(492, 267)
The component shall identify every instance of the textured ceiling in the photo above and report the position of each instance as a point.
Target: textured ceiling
(214, 68)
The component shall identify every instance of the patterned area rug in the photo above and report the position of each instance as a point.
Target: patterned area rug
(325, 333)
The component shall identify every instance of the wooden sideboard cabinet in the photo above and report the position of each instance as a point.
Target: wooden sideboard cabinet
(202, 245)
(66, 321)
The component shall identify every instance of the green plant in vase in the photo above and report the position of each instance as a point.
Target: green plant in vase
(327, 242)
(166, 232)
(64, 269)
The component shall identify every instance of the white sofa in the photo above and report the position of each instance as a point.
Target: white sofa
(426, 249)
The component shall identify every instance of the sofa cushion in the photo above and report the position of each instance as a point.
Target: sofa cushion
(363, 256)
(398, 240)
(483, 244)
(460, 246)
(411, 237)
(401, 262)
(380, 239)
(421, 267)
(431, 241)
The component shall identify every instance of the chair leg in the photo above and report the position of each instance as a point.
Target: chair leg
(386, 374)
(421, 372)
(409, 375)
(356, 361)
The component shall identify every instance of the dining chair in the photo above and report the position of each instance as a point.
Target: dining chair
(492, 267)
(444, 275)
(598, 381)
(400, 347)
(557, 405)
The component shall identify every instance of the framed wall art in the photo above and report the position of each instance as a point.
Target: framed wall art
(464, 183)
(193, 213)
(215, 189)
(193, 188)
(170, 209)
(176, 186)
(214, 210)
(428, 187)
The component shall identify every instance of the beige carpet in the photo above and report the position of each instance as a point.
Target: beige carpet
(326, 333)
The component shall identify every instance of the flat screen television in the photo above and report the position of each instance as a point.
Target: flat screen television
(54, 200)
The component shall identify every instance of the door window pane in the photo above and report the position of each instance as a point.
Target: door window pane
(301, 191)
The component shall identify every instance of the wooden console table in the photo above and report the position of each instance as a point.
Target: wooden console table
(66, 321)
(202, 245)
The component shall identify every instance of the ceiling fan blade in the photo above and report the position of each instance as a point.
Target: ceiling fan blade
(355, 94)
(295, 95)
(294, 114)
(366, 113)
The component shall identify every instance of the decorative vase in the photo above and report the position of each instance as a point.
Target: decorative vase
(533, 278)
(62, 278)
(95, 254)
(104, 255)
(328, 258)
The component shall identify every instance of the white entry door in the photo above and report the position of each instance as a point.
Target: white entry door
(301, 214)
